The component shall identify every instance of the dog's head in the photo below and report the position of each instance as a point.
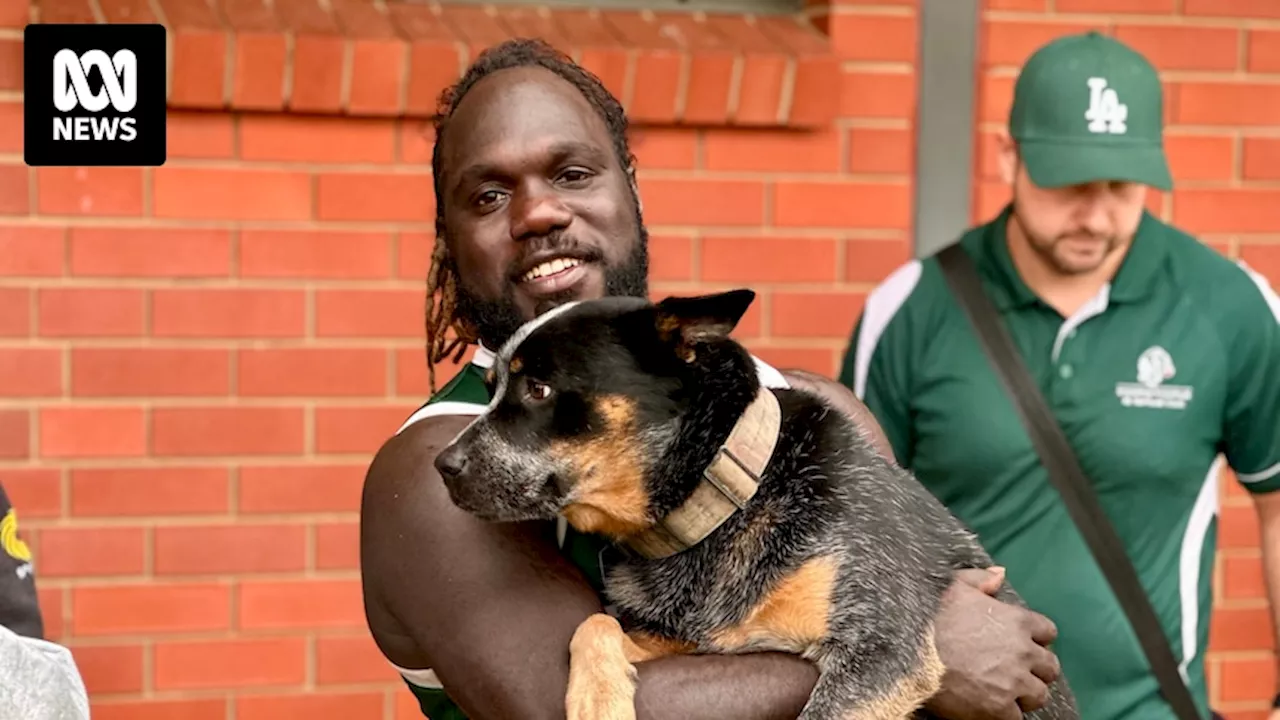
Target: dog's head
(586, 401)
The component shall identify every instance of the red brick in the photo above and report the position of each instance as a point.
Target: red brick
(1261, 158)
(1264, 258)
(1242, 577)
(1237, 628)
(1011, 42)
(231, 194)
(325, 255)
(126, 492)
(411, 372)
(771, 151)
(278, 605)
(14, 14)
(389, 197)
(274, 489)
(1153, 7)
(1247, 679)
(351, 659)
(239, 663)
(15, 312)
(369, 313)
(142, 372)
(338, 546)
(201, 709)
(11, 126)
(200, 135)
(1200, 157)
(995, 95)
(225, 549)
(670, 257)
(417, 142)
(15, 434)
(150, 252)
(317, 139)
(105, 191)
(150, 608)
(210, 431)
(821, 361)
(228, 313)
(768, 259)
(91, 551)
(1238, 210)
(873, 38)
(414, 255)
(31, 251)
(1238, 527)
(15, 192)
(84, 432)
(1182, 47)
(311, 706)
(877, 95)
(846, 204)
(702, 202)
(361, 430)
(1255, 9)
(34, 492)
(871, 261)
(659, 148)
(30, 372)
(881, 151)
(312, 372)
(109, 668)
(90, 312)
(815, 314)
(1227, 103)
(1263, 51)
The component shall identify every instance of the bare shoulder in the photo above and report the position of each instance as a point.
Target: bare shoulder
(843, 399)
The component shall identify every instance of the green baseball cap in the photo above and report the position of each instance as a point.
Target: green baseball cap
(1087, 107)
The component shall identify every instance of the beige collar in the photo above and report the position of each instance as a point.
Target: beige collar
(727, 484)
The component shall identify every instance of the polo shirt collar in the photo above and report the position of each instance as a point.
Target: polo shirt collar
(1133, 281)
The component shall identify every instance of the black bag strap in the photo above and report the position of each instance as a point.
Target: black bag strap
(1065, 472)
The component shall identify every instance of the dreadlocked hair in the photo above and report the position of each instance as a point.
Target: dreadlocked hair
(442, 278)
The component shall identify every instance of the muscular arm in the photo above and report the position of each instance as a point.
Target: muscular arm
(1268, 508)
(492, 607)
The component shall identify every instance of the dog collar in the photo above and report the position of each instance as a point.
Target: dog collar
(727, 483)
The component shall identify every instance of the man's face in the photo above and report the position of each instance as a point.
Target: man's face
(538, 209)
(1073, 229)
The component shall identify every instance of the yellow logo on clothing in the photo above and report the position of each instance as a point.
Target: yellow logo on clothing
(9, 540)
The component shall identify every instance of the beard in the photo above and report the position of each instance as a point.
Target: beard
(1047, 247)
(495, 320)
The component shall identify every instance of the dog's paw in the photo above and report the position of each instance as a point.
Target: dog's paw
(602, 682)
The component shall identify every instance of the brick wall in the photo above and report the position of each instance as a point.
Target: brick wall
(196, 361)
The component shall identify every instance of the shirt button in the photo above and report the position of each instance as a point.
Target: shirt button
(1065, 371)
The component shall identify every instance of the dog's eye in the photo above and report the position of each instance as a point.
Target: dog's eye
(537, 391)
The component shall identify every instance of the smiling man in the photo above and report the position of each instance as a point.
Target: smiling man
(537, 205)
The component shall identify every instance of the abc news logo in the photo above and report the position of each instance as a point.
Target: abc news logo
(71, 90)
(95, 95)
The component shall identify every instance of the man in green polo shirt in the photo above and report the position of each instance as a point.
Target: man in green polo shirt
(1156, 354)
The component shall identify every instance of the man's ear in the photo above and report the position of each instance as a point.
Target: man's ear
(688, 321)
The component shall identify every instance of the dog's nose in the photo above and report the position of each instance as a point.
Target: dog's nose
(451, 462)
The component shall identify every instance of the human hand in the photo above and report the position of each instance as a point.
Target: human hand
(995, 653)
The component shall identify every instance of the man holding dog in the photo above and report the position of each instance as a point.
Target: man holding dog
(537, 205)
(1155, 354)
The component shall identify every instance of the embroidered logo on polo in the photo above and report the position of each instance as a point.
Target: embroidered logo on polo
(1155, 368)
(1106, 114)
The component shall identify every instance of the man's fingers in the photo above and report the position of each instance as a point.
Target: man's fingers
(1045, 665)
(987, 580)
(1034, 696)
(1042, 629)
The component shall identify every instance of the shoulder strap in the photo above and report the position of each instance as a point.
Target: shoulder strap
(1067, 476)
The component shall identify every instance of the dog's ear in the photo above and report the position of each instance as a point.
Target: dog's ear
(688, 321)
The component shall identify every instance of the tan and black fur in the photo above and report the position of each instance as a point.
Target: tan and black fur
(606, 413)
